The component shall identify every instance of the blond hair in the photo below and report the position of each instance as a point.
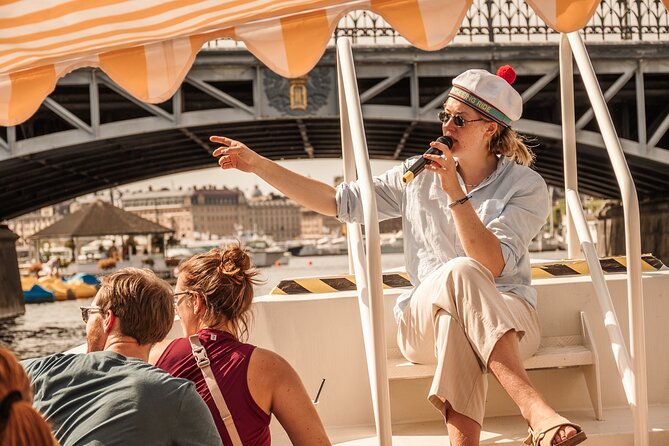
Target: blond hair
(509, 143)
(20, 423)
(142, 302)
(224, 279)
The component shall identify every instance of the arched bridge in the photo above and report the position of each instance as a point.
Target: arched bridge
(89, 134)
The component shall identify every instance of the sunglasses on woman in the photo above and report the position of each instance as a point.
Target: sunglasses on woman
(458, 120)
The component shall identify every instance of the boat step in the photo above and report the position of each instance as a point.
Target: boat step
(553, 353)
(551, 356)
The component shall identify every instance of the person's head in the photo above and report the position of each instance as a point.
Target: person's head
(20, 423)
(216, 288)
(131, 303)
(478, 114)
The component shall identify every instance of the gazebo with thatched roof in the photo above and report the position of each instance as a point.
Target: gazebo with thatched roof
(99, 219)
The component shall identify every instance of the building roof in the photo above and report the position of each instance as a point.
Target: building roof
(99, 219)
(156, 194)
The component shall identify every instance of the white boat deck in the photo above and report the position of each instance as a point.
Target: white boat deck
(319, 334)
(615, 430)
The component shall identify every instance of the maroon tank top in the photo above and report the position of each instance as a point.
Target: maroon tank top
(229, 362)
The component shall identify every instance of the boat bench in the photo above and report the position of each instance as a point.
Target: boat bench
(554, 352)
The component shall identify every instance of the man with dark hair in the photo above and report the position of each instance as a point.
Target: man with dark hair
(111, 395)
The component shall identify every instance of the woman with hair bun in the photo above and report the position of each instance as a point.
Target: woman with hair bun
(213, 297)
(20, 423)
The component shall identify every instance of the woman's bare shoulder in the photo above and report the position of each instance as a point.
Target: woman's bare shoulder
(157, 350)
(266, 361)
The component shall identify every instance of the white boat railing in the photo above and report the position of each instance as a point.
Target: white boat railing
(364, 260)
(632, 364)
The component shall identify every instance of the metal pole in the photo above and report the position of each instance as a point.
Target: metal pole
(372, 285)
(641, 108)
(632, 239)
(620, 353)
(568, 137)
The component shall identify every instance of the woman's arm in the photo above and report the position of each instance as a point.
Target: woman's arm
(313, 194)
(478, 241)
(276, 388)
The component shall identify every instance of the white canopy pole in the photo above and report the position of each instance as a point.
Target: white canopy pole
(367, 267)
(632, 238)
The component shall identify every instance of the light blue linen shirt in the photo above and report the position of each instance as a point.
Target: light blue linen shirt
(512, 203)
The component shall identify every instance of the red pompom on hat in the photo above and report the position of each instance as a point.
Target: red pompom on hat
(507, 73)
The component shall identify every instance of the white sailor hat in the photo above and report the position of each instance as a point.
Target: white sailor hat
(489, 94)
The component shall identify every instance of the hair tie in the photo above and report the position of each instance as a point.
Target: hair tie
(7, 401)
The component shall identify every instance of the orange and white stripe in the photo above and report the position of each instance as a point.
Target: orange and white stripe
(148, 46)
(565, 16)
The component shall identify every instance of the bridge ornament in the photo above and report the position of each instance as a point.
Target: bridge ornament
(286, 95)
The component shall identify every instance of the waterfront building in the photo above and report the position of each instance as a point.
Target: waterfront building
(275, 215)
(26, 225)
(193, 213)
(315, 225)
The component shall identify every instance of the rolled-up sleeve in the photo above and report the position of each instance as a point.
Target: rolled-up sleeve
(388, 188)
(520, 220)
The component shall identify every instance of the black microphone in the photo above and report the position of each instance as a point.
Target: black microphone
(420, 164)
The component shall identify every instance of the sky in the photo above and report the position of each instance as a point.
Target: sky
(322, 169)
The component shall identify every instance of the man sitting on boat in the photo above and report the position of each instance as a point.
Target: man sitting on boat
(467, 225)
(213, 297)
(111, 395)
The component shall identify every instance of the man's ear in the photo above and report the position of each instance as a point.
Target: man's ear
(109, 321)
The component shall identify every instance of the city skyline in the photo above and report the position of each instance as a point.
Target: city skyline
(321, 169)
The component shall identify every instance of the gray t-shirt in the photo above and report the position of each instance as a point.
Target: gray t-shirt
(103, 398)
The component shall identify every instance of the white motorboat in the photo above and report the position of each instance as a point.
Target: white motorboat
(603, 361)
(618, 394)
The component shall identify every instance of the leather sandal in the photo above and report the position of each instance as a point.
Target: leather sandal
(549, 427)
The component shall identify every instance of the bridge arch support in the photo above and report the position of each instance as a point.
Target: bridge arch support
(91, 135)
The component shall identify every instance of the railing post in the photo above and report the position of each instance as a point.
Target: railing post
(491, 28)
(568, 137)
(368, 266)
(632, 239)
(641, 107)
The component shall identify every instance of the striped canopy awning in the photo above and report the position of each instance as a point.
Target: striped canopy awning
(148, 46)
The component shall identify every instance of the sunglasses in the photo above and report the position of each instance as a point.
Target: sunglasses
(86, 312)
(458, 120)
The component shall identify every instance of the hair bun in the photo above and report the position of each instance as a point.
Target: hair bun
(235, 260)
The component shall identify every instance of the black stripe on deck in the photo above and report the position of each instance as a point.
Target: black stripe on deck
(340, 283)
(557, 269)
(612, 266)
(292, 287)
(395, 281)
(652, 261)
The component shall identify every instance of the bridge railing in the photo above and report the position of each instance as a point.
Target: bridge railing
(503, 21)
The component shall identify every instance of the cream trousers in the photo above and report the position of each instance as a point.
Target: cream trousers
(454, 319)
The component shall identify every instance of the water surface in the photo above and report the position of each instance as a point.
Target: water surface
(57, 326)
